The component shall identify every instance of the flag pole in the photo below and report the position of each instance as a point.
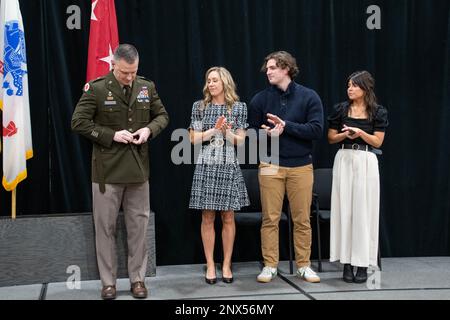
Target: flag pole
(13, 204)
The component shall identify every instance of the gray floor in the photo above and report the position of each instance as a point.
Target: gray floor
(401, 279)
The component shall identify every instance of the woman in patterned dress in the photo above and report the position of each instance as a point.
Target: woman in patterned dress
(218, 122)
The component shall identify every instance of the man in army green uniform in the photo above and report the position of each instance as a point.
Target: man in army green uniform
(119, 113)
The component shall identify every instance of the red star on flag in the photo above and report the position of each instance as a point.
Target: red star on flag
(103, 38)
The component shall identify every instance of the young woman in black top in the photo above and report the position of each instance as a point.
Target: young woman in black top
(358, 125)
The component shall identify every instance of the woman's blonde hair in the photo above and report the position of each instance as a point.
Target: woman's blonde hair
(229, 87)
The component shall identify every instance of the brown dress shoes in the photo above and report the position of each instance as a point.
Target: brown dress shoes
(138, 290)
(109, 292)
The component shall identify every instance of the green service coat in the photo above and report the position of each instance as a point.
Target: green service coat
(103, 110)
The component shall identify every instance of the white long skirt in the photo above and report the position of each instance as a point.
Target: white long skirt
(355, 204)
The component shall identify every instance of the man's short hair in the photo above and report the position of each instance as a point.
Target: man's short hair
(284, 60)
(126, 52)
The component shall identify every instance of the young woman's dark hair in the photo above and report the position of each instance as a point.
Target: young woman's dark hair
(366, 82)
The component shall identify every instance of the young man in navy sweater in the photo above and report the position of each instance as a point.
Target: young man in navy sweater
(293, 114)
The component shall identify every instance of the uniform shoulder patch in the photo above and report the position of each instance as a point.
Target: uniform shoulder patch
(89, 85)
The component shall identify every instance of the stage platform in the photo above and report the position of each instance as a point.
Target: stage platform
(424, 278)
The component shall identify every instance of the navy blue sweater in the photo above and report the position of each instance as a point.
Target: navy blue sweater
(301, 109)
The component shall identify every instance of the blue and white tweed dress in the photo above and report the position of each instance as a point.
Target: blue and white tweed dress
(218, 183)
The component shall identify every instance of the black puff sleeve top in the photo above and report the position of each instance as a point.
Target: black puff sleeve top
(339, 117)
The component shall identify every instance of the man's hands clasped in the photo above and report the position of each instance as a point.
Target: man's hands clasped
(139, 137)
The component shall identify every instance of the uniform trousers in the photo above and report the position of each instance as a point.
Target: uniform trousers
(135, 200)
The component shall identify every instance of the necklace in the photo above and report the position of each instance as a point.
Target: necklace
(358, 112)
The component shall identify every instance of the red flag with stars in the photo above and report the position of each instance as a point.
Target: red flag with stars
(103, 38)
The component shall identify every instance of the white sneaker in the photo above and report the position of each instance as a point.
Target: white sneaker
(267, 274)
(307, 274)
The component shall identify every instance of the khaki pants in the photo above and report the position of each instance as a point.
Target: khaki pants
(135, 200)
(274, 182)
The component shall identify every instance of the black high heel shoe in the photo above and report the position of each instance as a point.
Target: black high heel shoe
(225, 279)
(212, 280)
